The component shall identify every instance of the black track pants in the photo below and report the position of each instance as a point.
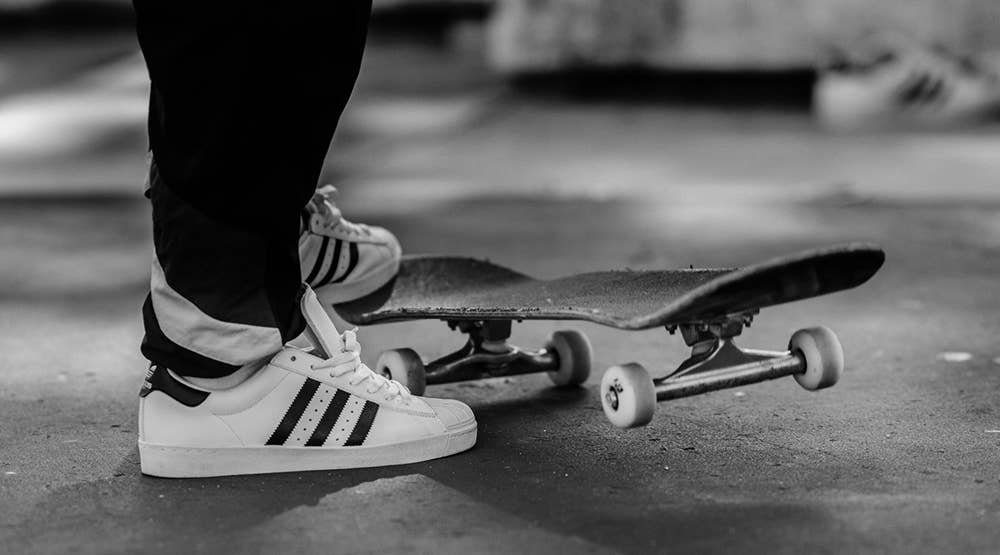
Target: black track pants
(245, 99)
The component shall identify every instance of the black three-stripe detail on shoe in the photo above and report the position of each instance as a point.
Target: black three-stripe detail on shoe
(353, 250)
(319, 261)
(329, 418)
(921, 89)
(334, 263)
(294, 412)
(364, 425)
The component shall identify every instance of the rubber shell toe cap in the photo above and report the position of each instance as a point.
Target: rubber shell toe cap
(453, 414)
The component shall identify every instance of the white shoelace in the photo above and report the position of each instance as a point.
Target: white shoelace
(332, 217)
(348, 361)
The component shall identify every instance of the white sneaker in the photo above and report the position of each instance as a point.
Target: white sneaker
(302, 411)
(343, 260)
(891, 79)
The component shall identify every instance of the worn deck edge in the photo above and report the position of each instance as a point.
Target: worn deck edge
(679, 310)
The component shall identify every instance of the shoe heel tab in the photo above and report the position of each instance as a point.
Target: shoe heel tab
(158, 378)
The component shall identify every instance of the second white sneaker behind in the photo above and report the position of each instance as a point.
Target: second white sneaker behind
(343, 260)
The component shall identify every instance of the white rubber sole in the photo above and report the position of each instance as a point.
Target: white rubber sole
(336, 293)
(167, 461)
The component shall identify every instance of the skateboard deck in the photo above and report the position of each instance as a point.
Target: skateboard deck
(457, 288)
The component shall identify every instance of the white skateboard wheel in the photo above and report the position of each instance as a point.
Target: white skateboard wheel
(573, 350)
(628, 395)
(823, 354)
(404, 366)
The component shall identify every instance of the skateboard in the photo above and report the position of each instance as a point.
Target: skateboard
(709, 307)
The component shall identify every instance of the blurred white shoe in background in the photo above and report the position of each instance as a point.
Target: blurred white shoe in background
(891, 80)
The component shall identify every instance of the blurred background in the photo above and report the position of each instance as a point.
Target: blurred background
(73, 88)
(559, 136)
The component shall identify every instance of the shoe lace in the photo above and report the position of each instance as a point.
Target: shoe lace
(348, 362)
(323, 205)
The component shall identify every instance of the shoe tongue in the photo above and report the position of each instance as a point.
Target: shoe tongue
(319, 327)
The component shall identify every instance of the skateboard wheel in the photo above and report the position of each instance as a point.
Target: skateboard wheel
(628, 395)
(404, 366)
(823, 355)
(573, 350)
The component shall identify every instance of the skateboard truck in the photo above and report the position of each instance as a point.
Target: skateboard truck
(487, 353)
(713, 347)
(814, 357)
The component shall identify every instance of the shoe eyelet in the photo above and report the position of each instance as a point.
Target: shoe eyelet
(293, 358)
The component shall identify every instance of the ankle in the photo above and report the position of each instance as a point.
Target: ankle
(230, 381)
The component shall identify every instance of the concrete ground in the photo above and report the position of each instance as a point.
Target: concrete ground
(901, 456)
